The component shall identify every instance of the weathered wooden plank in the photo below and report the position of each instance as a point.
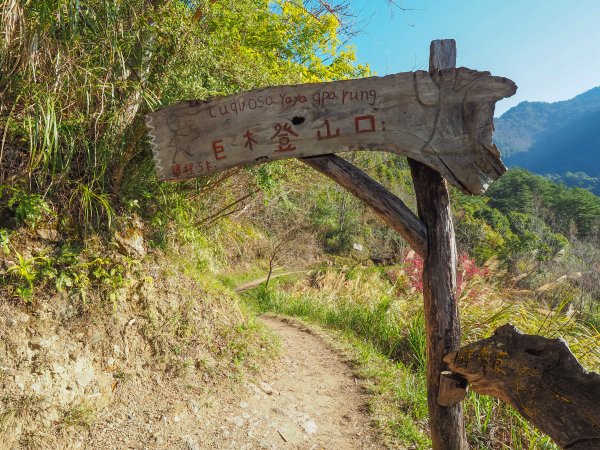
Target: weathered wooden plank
(443, 120)
(386, 205)
(442, 324)
(540, 378)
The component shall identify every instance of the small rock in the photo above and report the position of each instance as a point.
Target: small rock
(191, 444)
(244, 405)
(266, 388)
(310, 427)
(254, 388)
(84, 372)
(176, 419)
(194, 408)
(131, 242)
(74, 355)
(48, 235)
(35, 344)
(238, 421)
(24, 318)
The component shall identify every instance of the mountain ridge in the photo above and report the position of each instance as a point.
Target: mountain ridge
(517, 129)
(560, 140)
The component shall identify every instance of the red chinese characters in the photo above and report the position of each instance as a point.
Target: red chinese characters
(218, 149)
(176, 170)
(204, 166)
(250, 139)
(187, 170)
(282, 134)
(364, 124)
(327, 134)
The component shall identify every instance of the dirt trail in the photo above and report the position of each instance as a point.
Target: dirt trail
(308, 399)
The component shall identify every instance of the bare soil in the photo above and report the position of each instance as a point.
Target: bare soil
(307, 399)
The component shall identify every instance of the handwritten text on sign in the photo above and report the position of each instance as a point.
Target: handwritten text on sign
(411, 114)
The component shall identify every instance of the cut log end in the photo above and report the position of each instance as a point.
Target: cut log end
(540, 378)
(453, 389)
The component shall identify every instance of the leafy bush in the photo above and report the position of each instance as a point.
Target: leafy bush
(26, 208)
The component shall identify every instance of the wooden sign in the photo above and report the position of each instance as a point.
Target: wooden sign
(443, 120)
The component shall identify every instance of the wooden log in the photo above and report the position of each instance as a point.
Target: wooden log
(443, 120)
(540, 378)
(386, 205)
(453, 389)
(442, 324)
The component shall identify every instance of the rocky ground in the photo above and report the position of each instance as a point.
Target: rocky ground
(307, 399)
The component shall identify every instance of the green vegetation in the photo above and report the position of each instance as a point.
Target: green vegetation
(77, 187)
(542, 233)
(380, 313)
(76, 81)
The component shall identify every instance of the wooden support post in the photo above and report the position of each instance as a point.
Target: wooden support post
(439, 281)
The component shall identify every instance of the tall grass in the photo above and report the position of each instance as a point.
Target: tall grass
(387, 315)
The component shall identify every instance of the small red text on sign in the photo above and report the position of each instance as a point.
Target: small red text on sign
(176, 170)
(204, 166)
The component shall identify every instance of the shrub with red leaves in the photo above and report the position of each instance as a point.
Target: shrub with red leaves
(467, 271)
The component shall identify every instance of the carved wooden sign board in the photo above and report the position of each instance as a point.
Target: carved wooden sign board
(443, 120)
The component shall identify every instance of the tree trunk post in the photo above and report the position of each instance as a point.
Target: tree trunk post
(439, 281)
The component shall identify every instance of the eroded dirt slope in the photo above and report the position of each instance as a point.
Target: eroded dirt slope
(308, 399)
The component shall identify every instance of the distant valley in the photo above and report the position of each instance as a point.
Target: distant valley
(560, 140)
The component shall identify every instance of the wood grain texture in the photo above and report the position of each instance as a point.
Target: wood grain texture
(442, 324)
(540, 378)
(386, 205)
(443, 120)
(442, 54)
(453, 389)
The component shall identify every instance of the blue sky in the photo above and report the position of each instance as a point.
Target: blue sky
(550, 48)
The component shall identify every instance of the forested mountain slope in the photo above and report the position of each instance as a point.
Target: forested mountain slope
(559, 139)
(519, 128)
(572, 148)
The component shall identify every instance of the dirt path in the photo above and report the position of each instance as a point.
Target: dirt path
(308, 399)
